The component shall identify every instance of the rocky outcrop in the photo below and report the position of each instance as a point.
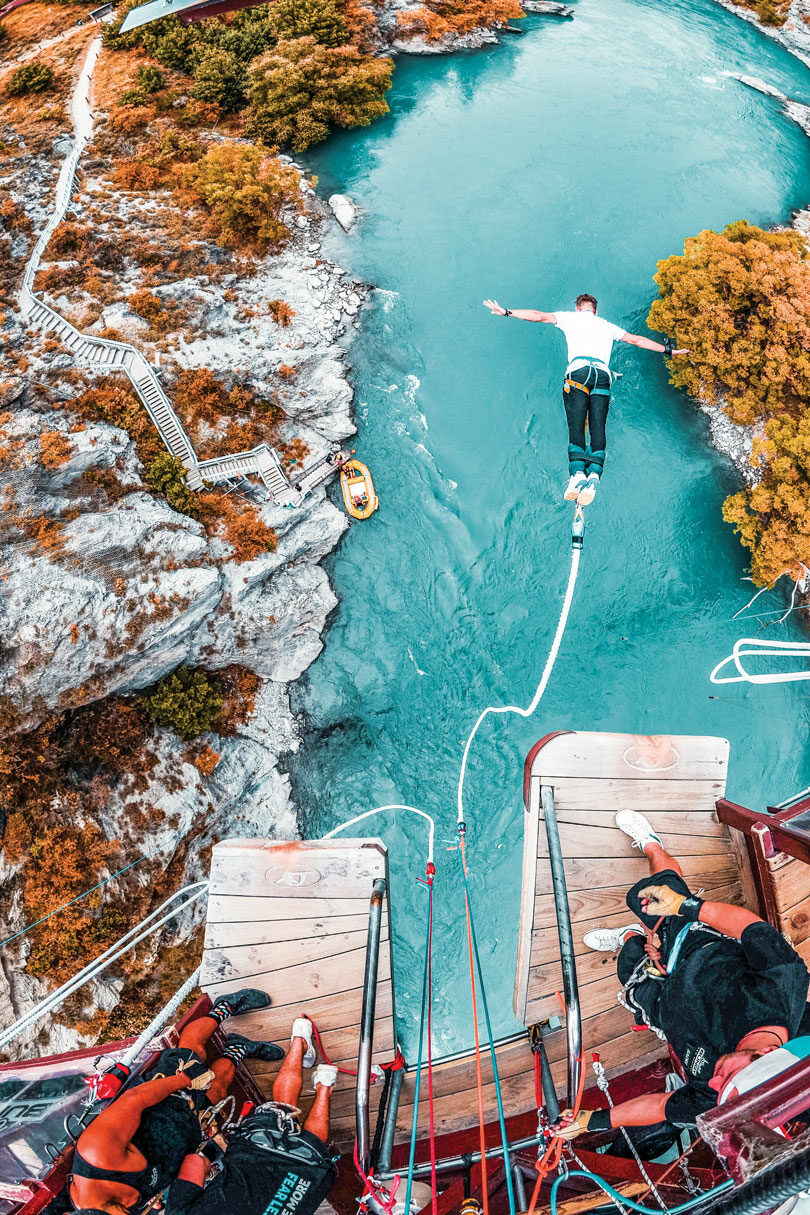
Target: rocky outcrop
(344, 211)
(794, 35)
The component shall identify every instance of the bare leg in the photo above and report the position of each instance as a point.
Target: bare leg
(290, 1079)
(659, 859)
(224, 1071)
(318, 1121)
(197, 1035)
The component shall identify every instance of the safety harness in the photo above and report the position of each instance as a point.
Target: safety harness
(591, 384)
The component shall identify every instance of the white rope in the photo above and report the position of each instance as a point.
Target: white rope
(541, 687)
(379, 810)
(142, 1041)
(752, 647)
(154, 921)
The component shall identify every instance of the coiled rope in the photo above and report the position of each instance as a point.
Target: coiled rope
(753, 647)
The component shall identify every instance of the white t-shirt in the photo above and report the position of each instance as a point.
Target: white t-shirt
(588, 336)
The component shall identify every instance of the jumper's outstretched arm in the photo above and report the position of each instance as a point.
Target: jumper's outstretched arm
(522, 314)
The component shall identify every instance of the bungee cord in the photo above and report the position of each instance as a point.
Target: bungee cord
(753, 647)
(576, 550)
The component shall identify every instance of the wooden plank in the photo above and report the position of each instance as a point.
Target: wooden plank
(340, 1045)
(796, 922)
(546, 977)
(595, 1198)
(242, 961)
(526, 922)
(595, 997)
(304, 981)
(586, 874)
(546, 945)
(677, 805)
(791, 883)
(330, 869)
(594, 904)
(588, 838)
(255, 908)
(633, 757)
(266, 932)
(328, 1011)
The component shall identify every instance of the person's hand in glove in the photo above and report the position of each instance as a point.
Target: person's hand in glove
(570, 1126)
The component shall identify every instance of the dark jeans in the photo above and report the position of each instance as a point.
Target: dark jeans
(587, 415)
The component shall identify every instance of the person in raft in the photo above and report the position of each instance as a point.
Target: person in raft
(134, 1148)
(729, 992)
(587, 383)
(272, 1164)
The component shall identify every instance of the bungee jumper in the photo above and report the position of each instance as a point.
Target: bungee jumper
(272, 1164)
(134, 1148)
(587, 384)
(723, 988)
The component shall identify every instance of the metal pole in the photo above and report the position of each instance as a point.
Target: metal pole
(390, 1124)
(520, 1189)
(375, 909)
(573, 1020)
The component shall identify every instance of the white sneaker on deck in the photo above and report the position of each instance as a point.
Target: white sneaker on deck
(575, 484)
(302, 1028)
(324, 1074)
(610, 940)
(637, 827)
(587, 493)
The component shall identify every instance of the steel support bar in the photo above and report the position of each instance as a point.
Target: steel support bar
(362, 1090)
(573, 1018)
(390, 1124)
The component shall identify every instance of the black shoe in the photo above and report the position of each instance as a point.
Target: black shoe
(246, 1048)
(248, 999)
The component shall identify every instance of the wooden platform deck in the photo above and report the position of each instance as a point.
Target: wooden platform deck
(675, 781)
(292, 920)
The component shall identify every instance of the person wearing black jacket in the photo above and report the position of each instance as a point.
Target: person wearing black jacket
(726, 989)
(272, 1165)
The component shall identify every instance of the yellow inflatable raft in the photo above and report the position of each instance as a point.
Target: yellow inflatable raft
(359, 496)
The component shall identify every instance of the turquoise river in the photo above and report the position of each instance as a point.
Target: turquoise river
(570, 159)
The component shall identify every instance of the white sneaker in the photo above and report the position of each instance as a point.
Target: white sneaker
(610, 940)
(324, 1074)
(302, 1028)
(637, 827)
(575, 483)
(588, 492)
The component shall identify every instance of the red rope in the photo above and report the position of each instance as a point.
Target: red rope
(478, 1076)
(396, 1063)
(434, 1192)
(372, 1188)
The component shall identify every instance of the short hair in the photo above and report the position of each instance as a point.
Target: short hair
(587, 299)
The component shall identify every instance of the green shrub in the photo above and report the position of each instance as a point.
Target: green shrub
(300, 89)
(219, 80)
(150, 78)
(30, 78)
(166, 475)
(132, 97)
(186, 701)
(320, 18)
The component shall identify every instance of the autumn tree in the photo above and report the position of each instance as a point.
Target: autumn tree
(246, 192)
(739, 300)
(320, 18)
(300, 90)
(186, 701)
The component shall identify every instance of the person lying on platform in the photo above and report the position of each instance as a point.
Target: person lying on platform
(272, 1165)
(134, 1147)
(587, 384)
(726, 990)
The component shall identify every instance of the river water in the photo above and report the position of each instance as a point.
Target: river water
(568, 160)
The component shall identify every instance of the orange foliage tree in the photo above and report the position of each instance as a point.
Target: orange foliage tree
(245, 191)
(739, 300)
(54, 448)
(437, 20)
